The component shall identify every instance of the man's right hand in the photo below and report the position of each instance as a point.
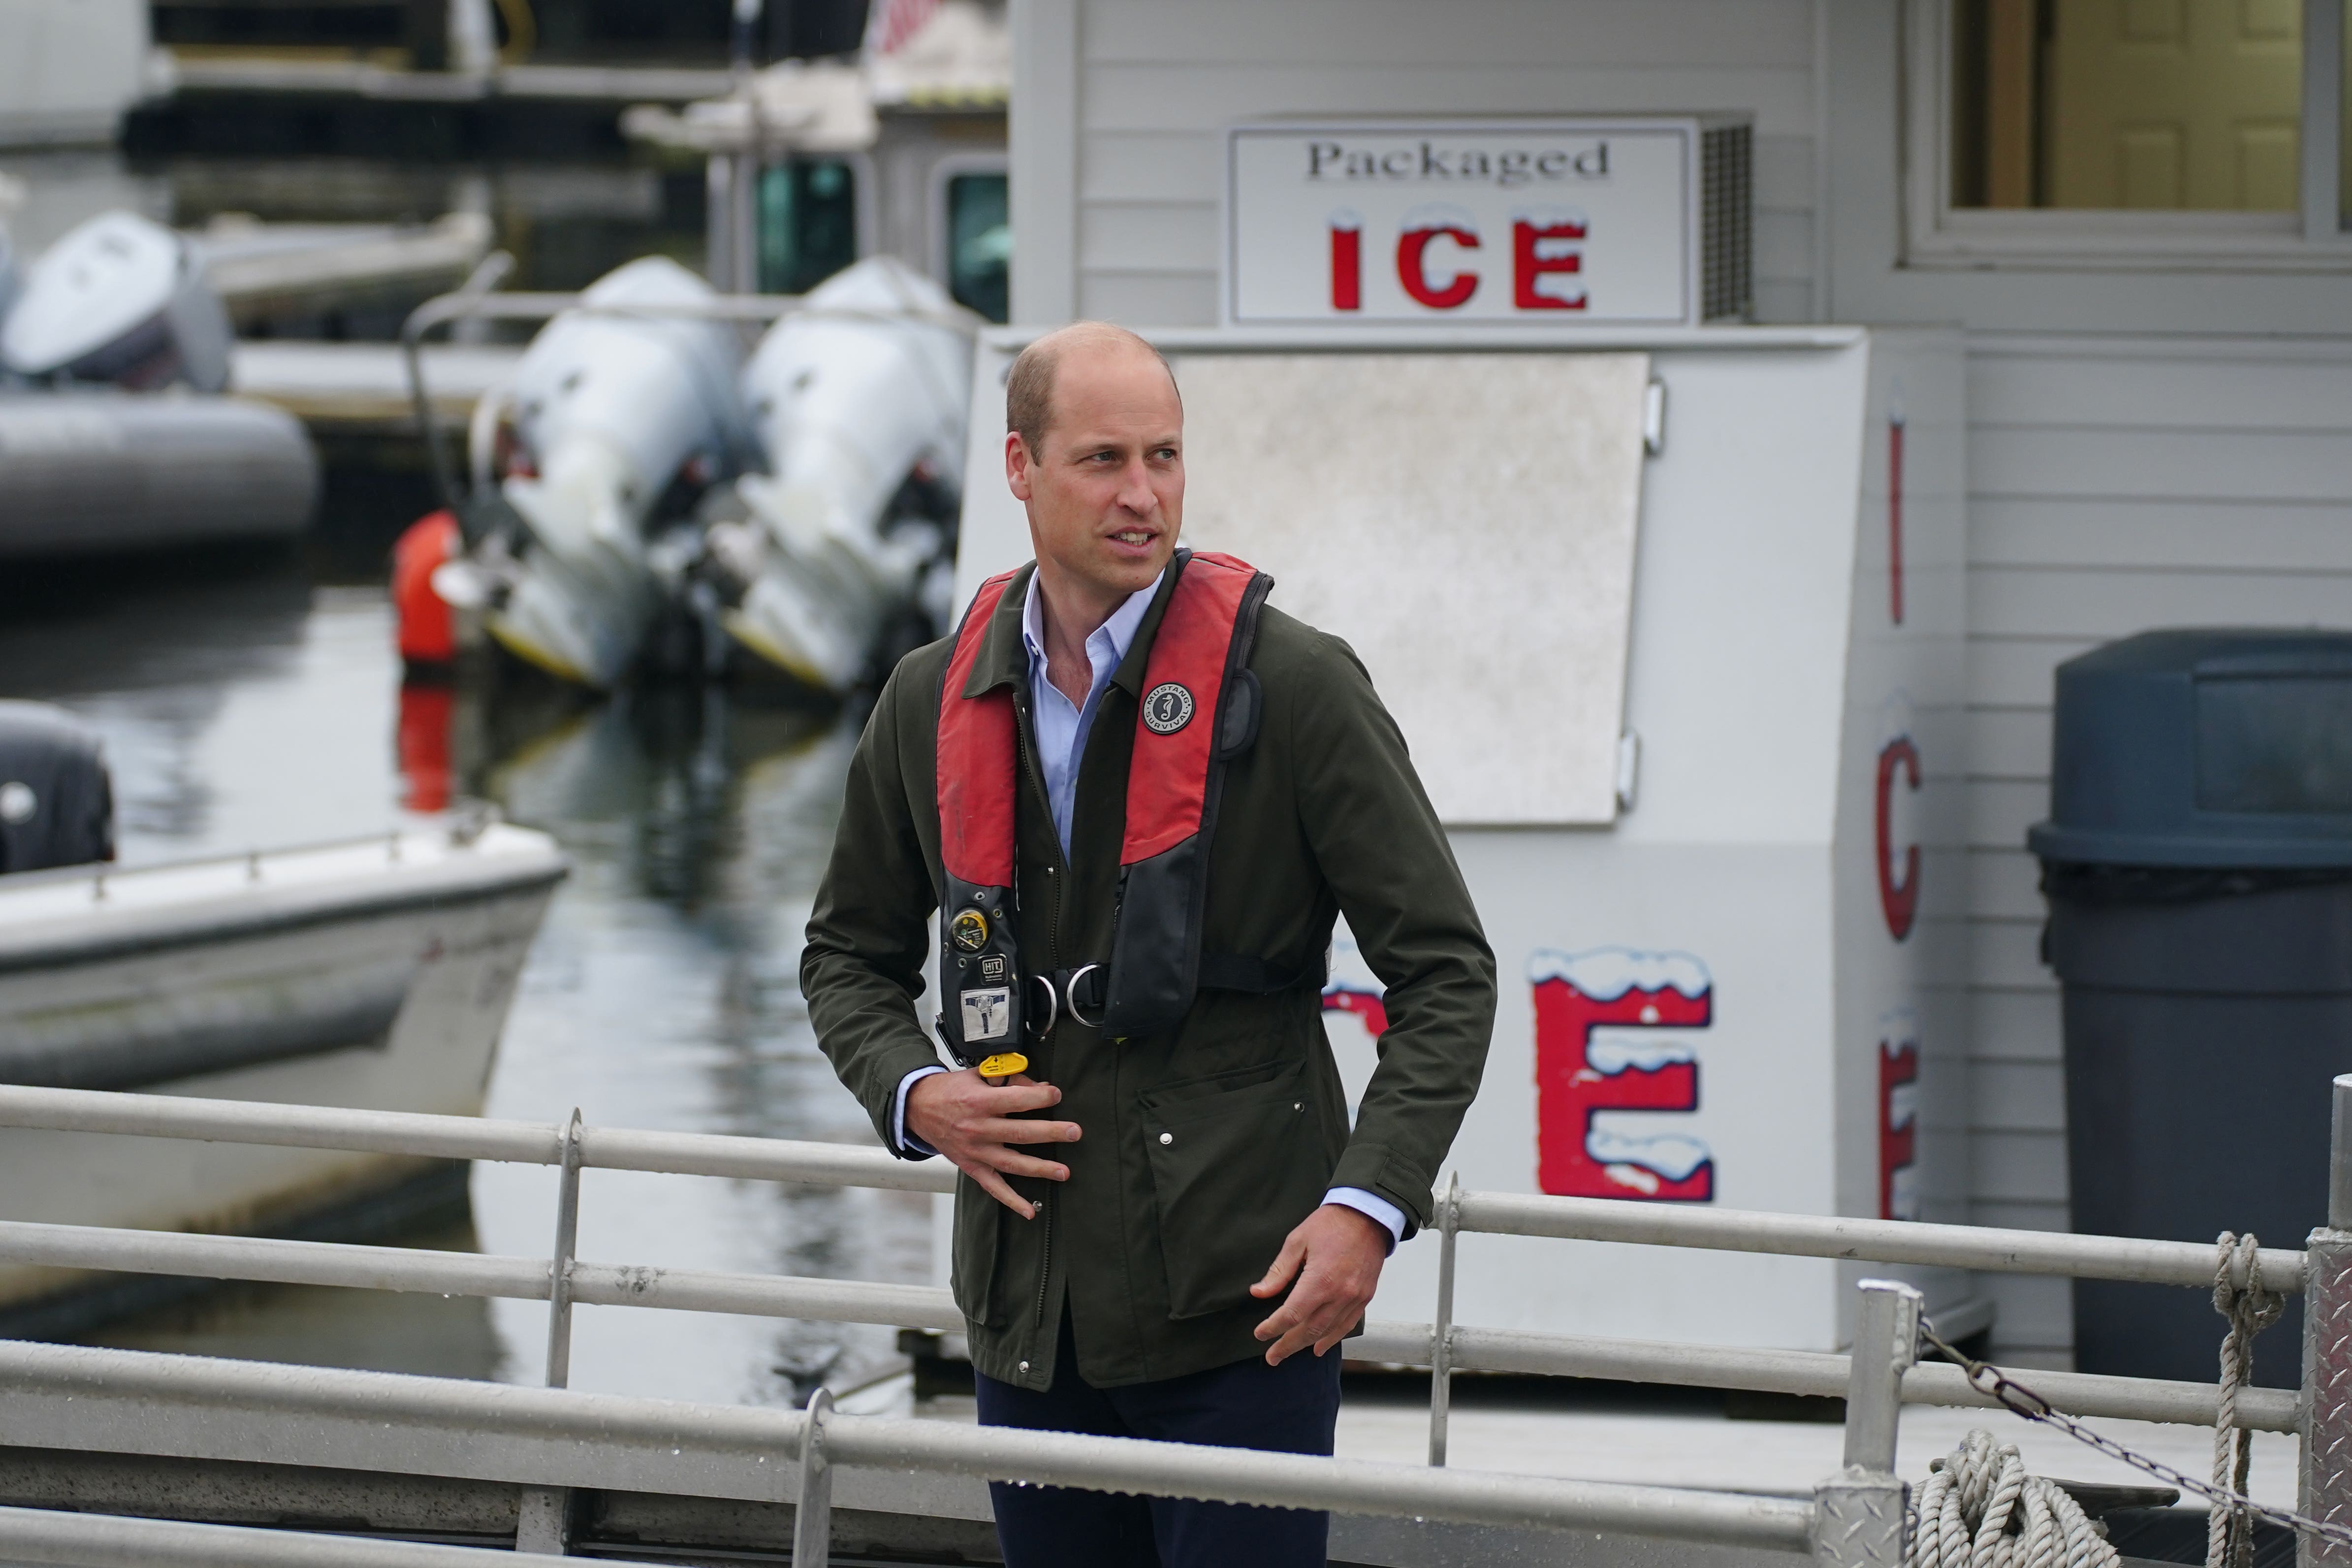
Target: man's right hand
(961, 1116)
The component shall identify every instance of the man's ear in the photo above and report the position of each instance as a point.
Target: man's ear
(1017, 465)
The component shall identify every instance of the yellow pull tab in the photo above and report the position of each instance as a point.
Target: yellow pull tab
(1004, 1064)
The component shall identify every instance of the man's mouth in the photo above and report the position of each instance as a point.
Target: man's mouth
(1134, 537)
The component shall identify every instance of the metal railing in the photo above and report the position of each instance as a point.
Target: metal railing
(1847, 1521)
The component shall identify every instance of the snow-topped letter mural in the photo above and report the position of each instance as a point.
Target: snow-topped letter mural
(1352, 987)
(1898, 1115)
(1598, 1050)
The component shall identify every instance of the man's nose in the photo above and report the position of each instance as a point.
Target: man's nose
(1134, 491)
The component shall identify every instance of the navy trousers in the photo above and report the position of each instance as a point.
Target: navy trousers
(1292, 1409)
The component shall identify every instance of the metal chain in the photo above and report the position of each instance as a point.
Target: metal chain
(2019, 1400)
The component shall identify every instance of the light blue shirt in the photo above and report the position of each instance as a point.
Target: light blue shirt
(1062, 729)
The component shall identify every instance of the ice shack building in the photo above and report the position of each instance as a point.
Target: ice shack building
(1756, 399)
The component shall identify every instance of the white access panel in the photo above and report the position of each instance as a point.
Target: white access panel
(1465, 523)
(1744, 989)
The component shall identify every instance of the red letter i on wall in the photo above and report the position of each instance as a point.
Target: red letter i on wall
(1347, 262)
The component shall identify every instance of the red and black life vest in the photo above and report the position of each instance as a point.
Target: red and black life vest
(1200, 710)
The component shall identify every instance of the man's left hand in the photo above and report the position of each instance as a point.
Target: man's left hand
(1334, 1256)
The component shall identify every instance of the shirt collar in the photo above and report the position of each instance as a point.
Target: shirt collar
(1121, 628)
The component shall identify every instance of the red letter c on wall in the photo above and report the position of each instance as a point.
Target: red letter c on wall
(1898, 897)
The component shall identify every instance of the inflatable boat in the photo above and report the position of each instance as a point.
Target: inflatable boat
(112, 432)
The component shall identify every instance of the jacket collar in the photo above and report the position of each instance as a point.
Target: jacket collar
(1003, 657)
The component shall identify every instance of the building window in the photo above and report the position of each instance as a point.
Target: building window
(808, 224)
(2083, 126)
(980, 243)
(2145, 105)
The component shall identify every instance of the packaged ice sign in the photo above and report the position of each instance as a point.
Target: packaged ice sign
(1618, 222)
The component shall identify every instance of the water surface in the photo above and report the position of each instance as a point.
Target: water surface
(244, 705)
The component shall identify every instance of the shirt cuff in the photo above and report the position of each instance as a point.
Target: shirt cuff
(1369, 1204)
(905, 1144)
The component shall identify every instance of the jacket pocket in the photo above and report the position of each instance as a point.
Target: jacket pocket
(973, 1260)
(1234, 1168)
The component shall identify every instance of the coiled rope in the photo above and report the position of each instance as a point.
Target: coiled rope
(1978, 1508)
(2230, 1532)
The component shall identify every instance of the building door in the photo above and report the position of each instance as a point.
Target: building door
(2172, 104)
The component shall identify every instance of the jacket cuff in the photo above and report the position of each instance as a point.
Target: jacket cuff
(885, 1093)
(1377, 1169)
(903, 1143)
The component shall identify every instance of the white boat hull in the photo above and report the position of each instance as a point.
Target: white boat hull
(374, 974)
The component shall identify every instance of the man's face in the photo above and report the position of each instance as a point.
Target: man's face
(1106, 494)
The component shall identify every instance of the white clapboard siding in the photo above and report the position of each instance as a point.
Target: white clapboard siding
(2114, 485)
(1160, 79)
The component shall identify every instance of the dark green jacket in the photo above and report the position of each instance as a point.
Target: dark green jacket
(1200, 1152)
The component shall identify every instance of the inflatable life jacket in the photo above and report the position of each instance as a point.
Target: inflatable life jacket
(1200, 710)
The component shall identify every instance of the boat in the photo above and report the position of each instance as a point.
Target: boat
(372, 972)
(113, 431)
(858, 400)
(624, 408)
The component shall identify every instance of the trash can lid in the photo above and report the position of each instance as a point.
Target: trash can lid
(2203, 747)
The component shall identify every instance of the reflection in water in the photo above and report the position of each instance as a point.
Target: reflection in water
(245, 707)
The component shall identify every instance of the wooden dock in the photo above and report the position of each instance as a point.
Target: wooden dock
(361, 389)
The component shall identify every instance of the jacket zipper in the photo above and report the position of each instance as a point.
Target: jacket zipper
(1059, 873)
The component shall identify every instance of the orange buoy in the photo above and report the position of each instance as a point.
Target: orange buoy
(426, 633)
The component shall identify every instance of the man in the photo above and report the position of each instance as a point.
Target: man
(1139, 800)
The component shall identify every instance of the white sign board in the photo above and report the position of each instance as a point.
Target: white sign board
(1546, 222)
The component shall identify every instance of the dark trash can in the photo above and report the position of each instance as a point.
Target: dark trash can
(57, 807)
(2198, 868)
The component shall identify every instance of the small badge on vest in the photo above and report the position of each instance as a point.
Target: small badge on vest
(968, 931)
(987, 1012)
(1166, 707)
(993, 967)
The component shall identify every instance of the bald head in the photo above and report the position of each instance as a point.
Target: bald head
(1095, 453)
(1029, 388)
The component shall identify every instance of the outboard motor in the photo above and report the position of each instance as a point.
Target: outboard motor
(118, 299)
(860, 400)
(609, 409)
(56, 805)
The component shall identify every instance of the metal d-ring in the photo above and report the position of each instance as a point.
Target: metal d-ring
(1052, 1005)
(1070, 995)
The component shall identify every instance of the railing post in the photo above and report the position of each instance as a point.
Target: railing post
(812, 1520)
(2324, 1416)
(1440, 1330)
(544, 1523)
(1858, 1513)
